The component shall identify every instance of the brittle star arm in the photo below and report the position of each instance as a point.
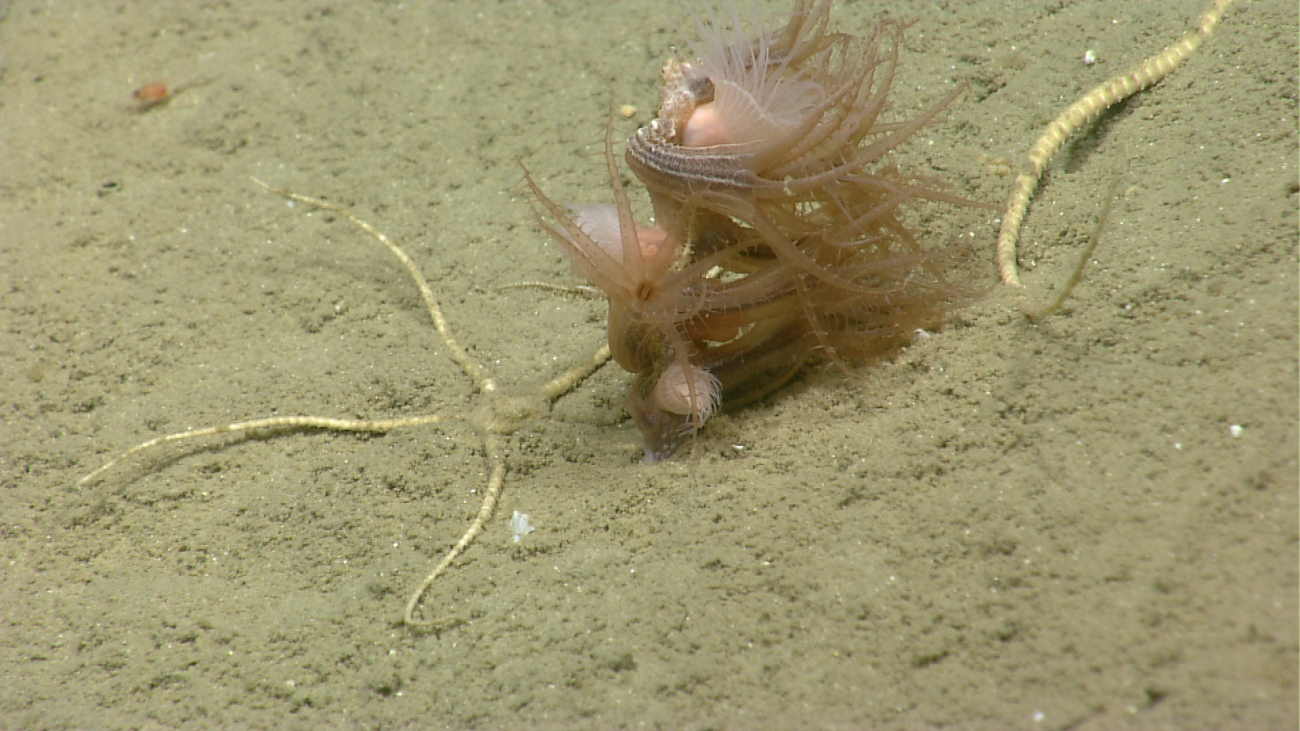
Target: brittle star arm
(477, 373)
(1079, 115)
(483, 381)
(495, 421)
(275, 422)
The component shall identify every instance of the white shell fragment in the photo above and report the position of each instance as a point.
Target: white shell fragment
(519, 525)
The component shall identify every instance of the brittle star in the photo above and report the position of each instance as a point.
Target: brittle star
(502, 412)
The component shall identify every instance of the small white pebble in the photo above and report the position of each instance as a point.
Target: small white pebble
(519, 525)
(1235, 430)
(1089, 57)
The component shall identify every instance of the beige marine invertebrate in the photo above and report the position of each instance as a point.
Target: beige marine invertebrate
(777, 227)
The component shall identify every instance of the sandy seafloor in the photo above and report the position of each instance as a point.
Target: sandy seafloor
(1086, 524)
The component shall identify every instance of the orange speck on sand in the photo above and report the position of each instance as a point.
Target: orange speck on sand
(151, 95)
